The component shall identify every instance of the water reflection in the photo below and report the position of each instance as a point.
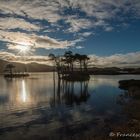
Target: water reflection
(70, 93)
(23, 91)
(42, 104)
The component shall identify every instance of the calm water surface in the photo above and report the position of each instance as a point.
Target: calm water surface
(39, 108)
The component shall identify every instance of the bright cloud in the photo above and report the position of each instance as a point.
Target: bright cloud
(120, 60)
(16, 38)
(51, 10)
(14, 23)
(31, 21)
(28, 59)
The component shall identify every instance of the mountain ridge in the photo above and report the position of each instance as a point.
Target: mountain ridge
(36, 67)
(30, 67)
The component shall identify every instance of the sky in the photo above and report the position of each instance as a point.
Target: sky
(106, 30)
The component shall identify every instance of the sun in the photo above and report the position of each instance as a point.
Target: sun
(23, 48)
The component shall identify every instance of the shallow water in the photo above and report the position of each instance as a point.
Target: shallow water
(38, 107)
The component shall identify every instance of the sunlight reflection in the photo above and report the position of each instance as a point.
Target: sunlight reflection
(23, 91)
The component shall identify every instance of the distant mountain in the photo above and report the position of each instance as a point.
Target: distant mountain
(3, 63)
(36, 67)
(113, 71)
(30, 67)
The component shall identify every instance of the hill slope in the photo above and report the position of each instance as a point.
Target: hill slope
(31, 67)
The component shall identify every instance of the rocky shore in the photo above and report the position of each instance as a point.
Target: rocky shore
(131, 127)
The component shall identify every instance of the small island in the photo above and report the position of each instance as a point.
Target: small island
(127, 84)
(71, 67)
(10, 73)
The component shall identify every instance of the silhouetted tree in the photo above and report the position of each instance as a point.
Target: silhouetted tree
(85, 59)
(65, 64)
(69, 60)
(57, 60)
(9, 68)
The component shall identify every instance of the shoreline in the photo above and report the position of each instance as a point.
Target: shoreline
(130, 102)
(89, 74)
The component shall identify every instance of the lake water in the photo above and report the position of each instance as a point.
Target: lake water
(39, 108)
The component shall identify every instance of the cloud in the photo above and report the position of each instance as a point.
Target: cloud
(116, 60)
(74, 42)
(108, 29)
(17, 23)
(86, 34)
(81, 16)
(50, 43)
(36, 9)
(7, 56)
(119, 60)
(33, 40)
(76, 24)
(101, 12)
(79, 47)
(28, 59)
(51, 10)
